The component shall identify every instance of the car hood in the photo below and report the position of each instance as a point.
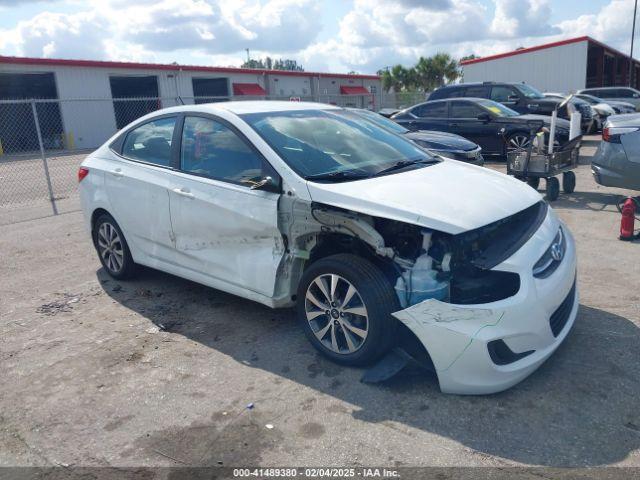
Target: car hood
(616, 103)
(624, 120)
(451, 197)
(442, 140)
(560, 122)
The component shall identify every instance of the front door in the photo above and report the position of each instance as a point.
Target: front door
(224, 229)
(464, 121)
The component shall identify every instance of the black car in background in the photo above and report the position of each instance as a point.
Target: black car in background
(520, 97)
(440, 143)
(496, 128)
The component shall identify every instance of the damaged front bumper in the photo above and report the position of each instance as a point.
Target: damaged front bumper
(467, 342)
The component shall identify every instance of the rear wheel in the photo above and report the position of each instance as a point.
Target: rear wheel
(517, 141)
(344, 305)
(568, 182)
(112, 248)
(553, 188)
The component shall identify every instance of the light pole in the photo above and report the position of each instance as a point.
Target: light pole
(633, 33)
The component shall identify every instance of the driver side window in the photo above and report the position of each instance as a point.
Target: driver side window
(211, 149)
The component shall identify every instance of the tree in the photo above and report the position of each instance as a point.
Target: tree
(269, 64)
(427, 74)
(469, 57)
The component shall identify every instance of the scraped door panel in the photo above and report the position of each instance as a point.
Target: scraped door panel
(139, 197)
(227, 232)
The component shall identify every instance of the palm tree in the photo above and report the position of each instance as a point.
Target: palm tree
(445, 68)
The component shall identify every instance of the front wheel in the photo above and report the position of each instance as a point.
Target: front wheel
(344, 305)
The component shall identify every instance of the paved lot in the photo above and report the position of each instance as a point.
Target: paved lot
(159, 371)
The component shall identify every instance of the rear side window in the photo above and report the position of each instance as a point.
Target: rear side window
(431, 110)
(607, 93)
(212, 149)
(447, 92)
(477, 91)
(151, 142)
(461, 109)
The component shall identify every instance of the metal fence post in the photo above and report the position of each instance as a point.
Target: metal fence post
(44, 158)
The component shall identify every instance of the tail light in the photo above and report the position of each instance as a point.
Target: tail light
(82, 172)
(613, 134)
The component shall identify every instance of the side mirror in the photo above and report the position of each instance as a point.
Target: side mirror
(636, 95)
(484, 117)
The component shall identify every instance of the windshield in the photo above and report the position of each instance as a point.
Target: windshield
(378, 120)
(497, 109)
(322, 142)
(528, 91)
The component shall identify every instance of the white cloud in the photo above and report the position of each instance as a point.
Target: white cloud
(522, 18)
(612, 24)
(372, 34)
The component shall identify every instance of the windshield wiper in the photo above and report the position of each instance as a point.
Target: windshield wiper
(338, 175)
(405, 163)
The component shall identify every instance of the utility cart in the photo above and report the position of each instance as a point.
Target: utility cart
(533, 162)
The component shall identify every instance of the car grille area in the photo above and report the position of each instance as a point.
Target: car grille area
(560, 317)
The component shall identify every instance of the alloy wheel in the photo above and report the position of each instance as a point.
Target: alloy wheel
(110, 247)
(517, 142)
(336, 314)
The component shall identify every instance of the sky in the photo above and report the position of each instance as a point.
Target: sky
(322, 35)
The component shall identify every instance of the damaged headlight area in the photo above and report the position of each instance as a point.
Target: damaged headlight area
(458, 268)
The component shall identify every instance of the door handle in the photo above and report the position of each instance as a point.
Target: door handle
(183, 192)
(117, 172)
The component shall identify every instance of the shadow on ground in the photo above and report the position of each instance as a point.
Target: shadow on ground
(579, 409)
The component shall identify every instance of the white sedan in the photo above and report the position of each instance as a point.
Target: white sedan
(377, 243)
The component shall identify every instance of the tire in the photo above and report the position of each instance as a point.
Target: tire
(113, 250)
(568, 182)
(553, 188)
(533, 182)
(517, 141)
(373, 291)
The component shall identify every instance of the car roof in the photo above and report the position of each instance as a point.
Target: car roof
(585, 90)
(251, 106)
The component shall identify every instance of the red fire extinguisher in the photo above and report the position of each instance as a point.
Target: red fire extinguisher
(628, 217)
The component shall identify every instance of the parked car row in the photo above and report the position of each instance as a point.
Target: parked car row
(496, 128)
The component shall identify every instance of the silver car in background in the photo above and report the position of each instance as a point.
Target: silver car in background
(618, 94)
(617, 161)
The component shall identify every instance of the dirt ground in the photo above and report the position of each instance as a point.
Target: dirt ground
(160, 371)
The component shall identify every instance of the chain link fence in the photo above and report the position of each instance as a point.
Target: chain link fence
(43, 142)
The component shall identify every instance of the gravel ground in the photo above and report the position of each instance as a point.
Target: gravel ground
(159, 371)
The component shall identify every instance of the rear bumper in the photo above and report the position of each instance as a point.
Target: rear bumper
(457, 337)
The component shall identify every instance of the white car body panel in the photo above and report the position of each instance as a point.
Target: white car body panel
(436, 196)
(227, 236)
(226, 231)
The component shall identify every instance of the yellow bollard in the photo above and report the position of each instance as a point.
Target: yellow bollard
(70, 142)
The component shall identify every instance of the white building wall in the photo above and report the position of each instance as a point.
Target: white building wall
(87, 108)
(556, 69)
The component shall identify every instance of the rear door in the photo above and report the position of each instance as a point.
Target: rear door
(224, 230)
(137, 184)
(463, 120)
(428, 116)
